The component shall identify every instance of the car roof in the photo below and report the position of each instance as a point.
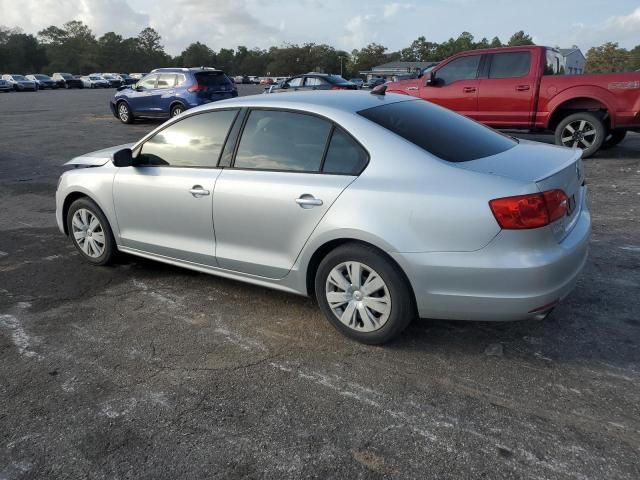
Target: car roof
(350, 101)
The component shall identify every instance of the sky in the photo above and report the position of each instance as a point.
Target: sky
(340, 23)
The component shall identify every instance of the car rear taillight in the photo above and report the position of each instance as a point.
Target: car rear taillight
(198, 87)
(337, 87)
(529, 211)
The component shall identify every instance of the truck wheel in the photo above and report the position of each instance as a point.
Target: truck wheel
(614, 138)
(582, 130)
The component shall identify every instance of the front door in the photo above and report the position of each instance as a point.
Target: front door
(268, 203)
(140, 100)
(455, 86)
(164, 203)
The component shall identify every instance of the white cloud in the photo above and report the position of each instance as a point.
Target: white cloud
(392, 9)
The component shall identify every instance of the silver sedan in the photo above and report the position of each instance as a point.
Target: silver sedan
(382, 207)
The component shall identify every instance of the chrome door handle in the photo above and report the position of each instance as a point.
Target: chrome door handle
(308, 201)
(198, 191)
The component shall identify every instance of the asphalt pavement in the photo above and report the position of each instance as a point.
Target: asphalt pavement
(142, 370)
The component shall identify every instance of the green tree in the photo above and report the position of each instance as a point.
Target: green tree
(152, 54)
(197, 54)
(20, 52)
(420, 50)
(71, 47)
(608, 58)
(520, 38)
(496, 43)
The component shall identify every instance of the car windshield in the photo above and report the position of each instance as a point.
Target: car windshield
(41, 77)
(19, 78)
(439, 131)
(93, 77)
(66, 75)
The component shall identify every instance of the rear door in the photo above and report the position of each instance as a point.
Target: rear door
(268, 203)
(456, 85)
(507, 91)
(164, 203)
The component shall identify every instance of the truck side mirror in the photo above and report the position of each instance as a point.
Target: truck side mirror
(432, 81)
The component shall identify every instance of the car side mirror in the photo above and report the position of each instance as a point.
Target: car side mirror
(123, 158)
(432, 81)
(285, 86)
(121, 87)
(139, 88)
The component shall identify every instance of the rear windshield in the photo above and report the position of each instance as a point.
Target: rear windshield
(336, 79)
(18, 78)
(439, 131)
(66, 75)
(211, 79)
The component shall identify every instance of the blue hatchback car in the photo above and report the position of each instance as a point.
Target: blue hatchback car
(166, 92)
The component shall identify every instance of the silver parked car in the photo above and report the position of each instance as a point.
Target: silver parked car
(382, 207)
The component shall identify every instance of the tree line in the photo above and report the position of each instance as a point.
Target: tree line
(73, 47)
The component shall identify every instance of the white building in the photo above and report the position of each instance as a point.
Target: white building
(574, 59)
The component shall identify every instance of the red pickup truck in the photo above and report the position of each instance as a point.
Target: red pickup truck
(526, 88)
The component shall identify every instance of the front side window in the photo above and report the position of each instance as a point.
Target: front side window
(195, 141)
(344, 156)
(148, 82)
(276, 140)
(510, 65)
(463, 68)
(439, 131)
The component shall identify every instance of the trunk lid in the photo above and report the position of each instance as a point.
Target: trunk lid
(548, 167)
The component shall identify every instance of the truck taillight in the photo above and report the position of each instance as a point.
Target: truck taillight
(529, 211)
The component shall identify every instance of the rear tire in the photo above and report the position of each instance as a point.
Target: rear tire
(582, 130)
(177, 110)
(371, 300)
(90, 232)
(614, 138)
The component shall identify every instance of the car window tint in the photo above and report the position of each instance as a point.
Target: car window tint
(555, 63)
(212, 79)
(439, 131)
(166, 80)
(148, 82)
(295, 82)
(463, 68)
(274, 140)
(510, 65)
(344, 155)
(195, 141)
(314, 82)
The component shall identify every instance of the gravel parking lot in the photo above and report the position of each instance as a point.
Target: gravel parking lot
(142, 370)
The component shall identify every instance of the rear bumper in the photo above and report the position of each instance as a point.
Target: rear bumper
(500, 282)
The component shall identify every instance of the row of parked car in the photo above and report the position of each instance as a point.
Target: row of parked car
(39, 81)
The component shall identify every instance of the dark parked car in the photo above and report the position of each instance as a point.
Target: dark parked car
(43, 81)
(374, 82)
(114, 80)
(358, 82)
(167, 92)
(128, 79)
(66, 80)
(312, 81)
(20, 82)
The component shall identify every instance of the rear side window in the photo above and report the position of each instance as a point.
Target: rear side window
(439, 131)
(212, 79)
(276, 140)
(344, 155)
(195, 141)
(166, 80)
(463, 68)
(510, 65)
(314, 82)
(555, 63)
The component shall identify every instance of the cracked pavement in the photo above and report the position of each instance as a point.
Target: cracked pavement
(144, 370)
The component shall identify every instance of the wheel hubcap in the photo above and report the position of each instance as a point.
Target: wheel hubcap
(88, 233)
(358, 296)
(177, 111)
(124, 113)
(581, 134)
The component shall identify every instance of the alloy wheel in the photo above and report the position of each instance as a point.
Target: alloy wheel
(358, 296)
(177, 111)
(581, 134)
(123, 112)
(88, 232)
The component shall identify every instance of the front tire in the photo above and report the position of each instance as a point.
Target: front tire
(90, 232)
(124, 112)
(363, 294)
(582, 130)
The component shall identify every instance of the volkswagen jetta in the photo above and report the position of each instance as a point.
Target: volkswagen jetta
(382, 207)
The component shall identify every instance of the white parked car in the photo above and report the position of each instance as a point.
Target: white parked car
(94, 81)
